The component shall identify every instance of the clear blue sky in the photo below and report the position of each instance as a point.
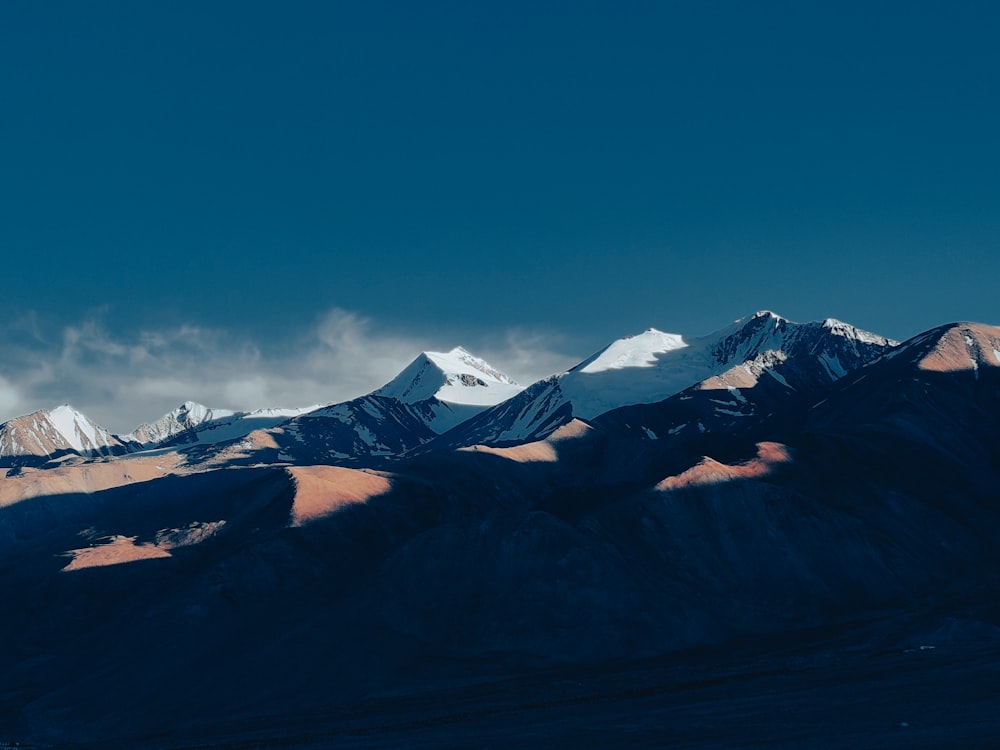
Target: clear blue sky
(457, 170)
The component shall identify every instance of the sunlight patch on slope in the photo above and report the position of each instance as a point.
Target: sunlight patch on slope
(323, 490)
(710, 471)
(963, 347)
(540, 450)
(86, 478)
(118, 550)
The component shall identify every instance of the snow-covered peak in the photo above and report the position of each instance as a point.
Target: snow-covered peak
(455, 377)
(285, 413)
(763, 314)
(641, 350)
(653, 366)
(54, 432)
(840, 328)
(188, 415)
(79, 431)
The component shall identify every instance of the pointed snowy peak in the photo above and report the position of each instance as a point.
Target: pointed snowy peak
(455, 377)
(766, 315)
(748, 337)
(52, 432)
(79, 431)
(847, 331)
(765, 331)
(185, 417)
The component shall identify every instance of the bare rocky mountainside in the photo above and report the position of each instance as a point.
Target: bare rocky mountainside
(778, 534)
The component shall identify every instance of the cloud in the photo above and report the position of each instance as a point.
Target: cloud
(528, 355)
(121, 380)
(10, 398)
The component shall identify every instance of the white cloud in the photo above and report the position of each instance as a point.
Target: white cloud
(122, 380)
(528, 355)
(10, 398)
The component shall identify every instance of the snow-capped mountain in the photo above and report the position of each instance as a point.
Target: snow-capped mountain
(465, 400)
(449, 387)
(194, 423)
(187, 416)
(653, 366)
(51, 433)
(432, 394)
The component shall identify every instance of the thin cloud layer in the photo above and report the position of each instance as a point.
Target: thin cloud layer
(121, 381)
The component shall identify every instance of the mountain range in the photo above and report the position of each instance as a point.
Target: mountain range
(674, 520)
(439, 392)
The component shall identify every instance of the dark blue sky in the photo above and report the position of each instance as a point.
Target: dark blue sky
(468, 168)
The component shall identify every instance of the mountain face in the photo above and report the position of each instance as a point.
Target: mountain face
(41, 435)
(187, 416)
(366, 429)
(194, 423)
(434, 392)
(44, 436)
(810, 521)
(447, 388)
(653, 366)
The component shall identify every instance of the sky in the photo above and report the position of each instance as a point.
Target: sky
(259, 204)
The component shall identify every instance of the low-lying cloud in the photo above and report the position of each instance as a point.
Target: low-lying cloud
(122, 380)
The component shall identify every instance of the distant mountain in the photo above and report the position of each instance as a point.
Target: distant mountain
(193, 423)
(465, 400)
(356, 431)
(435, 392)
(187, 416)
(51, 435)
(936, 390)
(653, 366)
(449, 387)
(47, 434)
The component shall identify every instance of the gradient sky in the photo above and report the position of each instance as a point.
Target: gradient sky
(195, 194)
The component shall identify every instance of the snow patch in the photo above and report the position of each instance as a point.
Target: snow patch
(730, 412)
(633, 351)
(79, 432)
(455, 377)
(972, 358)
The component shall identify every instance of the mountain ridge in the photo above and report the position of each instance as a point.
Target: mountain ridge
(447, 392)
(644, 373)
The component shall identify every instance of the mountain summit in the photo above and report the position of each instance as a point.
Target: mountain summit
(434, 393)
(187, 416)
(53, 433)
(455, 377)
